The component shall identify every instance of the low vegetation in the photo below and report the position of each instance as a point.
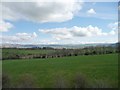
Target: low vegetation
(46, 52)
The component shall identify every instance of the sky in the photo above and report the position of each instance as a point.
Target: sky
(59, 22)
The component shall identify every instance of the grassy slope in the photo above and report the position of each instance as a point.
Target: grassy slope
(98, 67)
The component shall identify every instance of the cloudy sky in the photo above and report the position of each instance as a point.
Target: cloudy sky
(59, 22)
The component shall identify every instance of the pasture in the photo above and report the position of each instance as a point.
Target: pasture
(45, 72)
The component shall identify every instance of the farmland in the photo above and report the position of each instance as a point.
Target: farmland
(45, 72)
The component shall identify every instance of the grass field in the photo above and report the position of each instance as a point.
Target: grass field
(46, 71)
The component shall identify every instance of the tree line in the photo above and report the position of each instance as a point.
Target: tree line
(96, 50)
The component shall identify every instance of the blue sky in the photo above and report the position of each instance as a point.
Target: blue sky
(51, 23)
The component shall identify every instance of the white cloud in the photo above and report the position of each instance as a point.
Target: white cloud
(113, 26)
(61, 37)
(34, 34)
(91, 11)
(55, 11)
(70, 33)
(58, 33)
(26, 35)
(46, 41)
(112, 32)
(19, 37)
(87, 31)
(5, 26)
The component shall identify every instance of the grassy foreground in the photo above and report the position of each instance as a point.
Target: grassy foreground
(46, 71)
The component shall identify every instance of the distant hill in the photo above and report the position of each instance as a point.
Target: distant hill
(74, 46)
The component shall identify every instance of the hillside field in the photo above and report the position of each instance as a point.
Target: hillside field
(45, 71)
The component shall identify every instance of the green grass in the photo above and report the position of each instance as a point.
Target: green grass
(45, 71)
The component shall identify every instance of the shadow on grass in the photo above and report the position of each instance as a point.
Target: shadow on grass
(6, 83)
(78, 81)
(60, 82)
(26, 81)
